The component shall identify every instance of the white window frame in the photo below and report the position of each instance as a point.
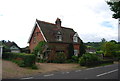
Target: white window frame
(75, 37)
(34, 39)
(59, 36)
(76, 52)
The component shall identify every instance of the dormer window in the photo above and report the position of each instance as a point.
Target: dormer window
(75, 37)
(59, 36)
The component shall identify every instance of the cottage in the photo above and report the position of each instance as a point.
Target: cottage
(90, 50)
(57, 36)
(13, 47)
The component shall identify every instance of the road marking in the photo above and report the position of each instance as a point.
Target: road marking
(63, 72)
(78, 71)
(90, 68)
(67, 72)
(107, 73)
(27, 78)
(48, 75)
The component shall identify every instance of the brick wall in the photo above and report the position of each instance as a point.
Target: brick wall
(36, 38)
(58, 47)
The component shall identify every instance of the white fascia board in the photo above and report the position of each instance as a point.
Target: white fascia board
(32, 32)
(34, 29)
(41, 32)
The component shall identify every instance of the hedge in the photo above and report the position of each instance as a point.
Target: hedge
(99, 52)
(22, 59)
(92, 60)
(117, 55)
(89, 60)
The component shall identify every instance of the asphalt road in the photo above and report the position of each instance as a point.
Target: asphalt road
(102, 72)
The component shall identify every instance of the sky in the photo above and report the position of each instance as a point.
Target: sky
(91, 19)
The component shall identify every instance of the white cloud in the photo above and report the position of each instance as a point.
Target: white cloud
(85, 17)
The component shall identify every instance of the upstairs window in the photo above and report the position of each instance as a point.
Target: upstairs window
(75, 37)
(34, 39)
(59, 36)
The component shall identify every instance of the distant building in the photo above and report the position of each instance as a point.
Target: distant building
(13, 47)
(90, 50)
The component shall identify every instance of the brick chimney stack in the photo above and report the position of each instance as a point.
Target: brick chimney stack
(58, 23)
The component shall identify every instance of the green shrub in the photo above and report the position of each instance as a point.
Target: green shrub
(41, 60)
(75, 59)
(82, 61)
(60, 57)
(89, 60)
(99, 52)
(21, 59)
(39, 48)
(117, 55)
(68, 61)
(20, 63)
(34, 66)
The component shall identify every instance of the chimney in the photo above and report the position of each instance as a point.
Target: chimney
(58, 22)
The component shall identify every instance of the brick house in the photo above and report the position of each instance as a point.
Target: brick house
(56, 36)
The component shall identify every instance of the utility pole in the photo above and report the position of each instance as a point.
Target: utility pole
(117, 18)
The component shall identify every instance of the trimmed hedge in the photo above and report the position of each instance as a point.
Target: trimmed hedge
(89, 60)
(22, 59)
(99, 52)
(92, 60)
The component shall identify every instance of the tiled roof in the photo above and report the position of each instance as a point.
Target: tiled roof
(50, 31)
(9, 44)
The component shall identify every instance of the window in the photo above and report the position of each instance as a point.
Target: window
(76, 52)
(60, 51)
(59, 36)
(34, 39)
(75, 37)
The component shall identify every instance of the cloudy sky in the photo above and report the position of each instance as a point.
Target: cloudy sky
(92, 19)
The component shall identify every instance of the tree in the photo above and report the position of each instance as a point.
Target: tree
(103, 40)
(82, 48)
(109, 49)
(115, 7)
(39, 48)
(113, 41)
(71, 51)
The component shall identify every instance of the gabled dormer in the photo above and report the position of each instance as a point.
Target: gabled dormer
(59, 36)
(75, 37)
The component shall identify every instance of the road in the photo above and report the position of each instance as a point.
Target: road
(102, 72)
